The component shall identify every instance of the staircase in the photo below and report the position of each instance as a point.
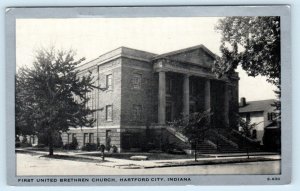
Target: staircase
(224, 145)
(206, 147)
(216, 141)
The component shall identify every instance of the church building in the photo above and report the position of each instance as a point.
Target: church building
(144, 91)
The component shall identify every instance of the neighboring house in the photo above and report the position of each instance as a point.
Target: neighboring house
(259, 112)
(31, 139)
(145, 91)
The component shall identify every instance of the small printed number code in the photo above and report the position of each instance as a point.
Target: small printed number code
(273, 178)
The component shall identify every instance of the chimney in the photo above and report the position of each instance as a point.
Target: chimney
(243, 102)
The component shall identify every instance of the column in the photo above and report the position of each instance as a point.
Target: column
(226, 105)
(207, 103)
(207, 97)
(162, 98)
(186, 95)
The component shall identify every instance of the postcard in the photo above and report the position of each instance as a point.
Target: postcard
(185, 95)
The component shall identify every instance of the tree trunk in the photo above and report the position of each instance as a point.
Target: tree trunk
(50, 138)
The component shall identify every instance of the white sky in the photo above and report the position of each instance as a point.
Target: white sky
(91, 37)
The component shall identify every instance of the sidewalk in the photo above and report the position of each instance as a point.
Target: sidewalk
(134, 164)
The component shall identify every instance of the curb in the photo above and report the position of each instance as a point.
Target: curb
(207, 162)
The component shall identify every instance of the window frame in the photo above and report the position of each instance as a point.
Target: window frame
(109, 86)
(138, 85)
(106, 112)
(137, 113)
(85, 138)
(91, 138)
(248, 117)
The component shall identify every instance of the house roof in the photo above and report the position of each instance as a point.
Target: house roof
(254, 106)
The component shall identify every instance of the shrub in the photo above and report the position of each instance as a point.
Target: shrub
(107, 147)
(114, 149)
(71, 146)
(40, 146)
(25, 144)
(172, 149)
(18, 144)
(24, 140)
(89, 147)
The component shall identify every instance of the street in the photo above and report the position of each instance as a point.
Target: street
(28, 164)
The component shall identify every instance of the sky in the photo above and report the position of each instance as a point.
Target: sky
(92, 37)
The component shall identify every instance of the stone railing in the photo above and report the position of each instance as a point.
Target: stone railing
(211, 144)
(177, 134)
(225, 139)
(245, 137)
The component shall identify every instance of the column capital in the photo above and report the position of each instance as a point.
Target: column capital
(186, 75)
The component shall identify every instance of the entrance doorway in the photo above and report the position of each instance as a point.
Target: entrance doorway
(169, 112)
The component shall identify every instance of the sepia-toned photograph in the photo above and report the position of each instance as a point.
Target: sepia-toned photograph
(184, 96)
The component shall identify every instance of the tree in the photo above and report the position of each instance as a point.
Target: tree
(51, 97)
(194, 127)
(246, 130)
(246, 127)
(254, 44)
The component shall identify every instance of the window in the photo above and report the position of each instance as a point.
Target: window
(254, 134)
(109, 82)
(109, 113)
(73, 136)
(91, 138)
(137, 81)
(271, 116)
(137, 112)
(88, 138)
(85, 138)
(247, 117)
(69, 138)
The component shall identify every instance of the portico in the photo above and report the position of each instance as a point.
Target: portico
(194, 92)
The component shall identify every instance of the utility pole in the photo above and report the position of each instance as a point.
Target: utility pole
(97, 107)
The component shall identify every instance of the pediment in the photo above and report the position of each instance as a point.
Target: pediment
(199, 55)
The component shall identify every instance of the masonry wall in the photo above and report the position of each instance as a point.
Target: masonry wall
(146, 96)
(217, 103)
(110, 97)
(133, 127)
(234, 104)
(107, 97)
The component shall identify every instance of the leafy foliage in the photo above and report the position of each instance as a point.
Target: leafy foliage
(193, 126)
(252, 42)
(50, 96)
(246, 126)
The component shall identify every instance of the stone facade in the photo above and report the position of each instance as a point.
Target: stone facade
(144, 91)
